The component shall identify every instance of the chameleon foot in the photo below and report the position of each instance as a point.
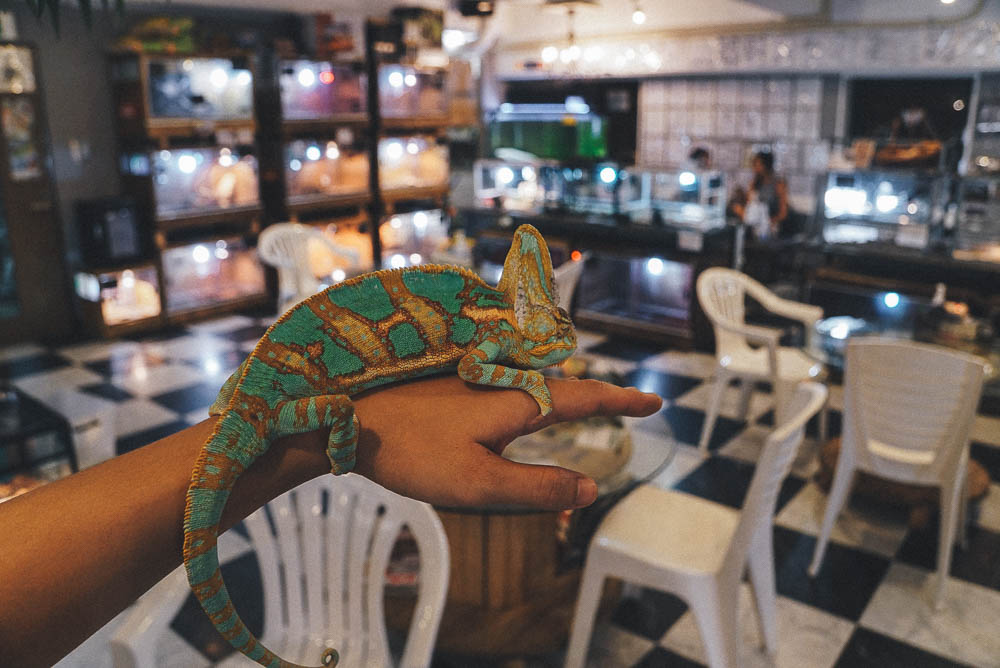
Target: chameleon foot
(331, 657)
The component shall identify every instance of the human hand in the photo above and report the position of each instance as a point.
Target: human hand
(439, 440)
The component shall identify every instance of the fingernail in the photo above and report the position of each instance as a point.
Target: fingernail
(586, 492)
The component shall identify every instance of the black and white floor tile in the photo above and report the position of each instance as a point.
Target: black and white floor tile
(868, 606)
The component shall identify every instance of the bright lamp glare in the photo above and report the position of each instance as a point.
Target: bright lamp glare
(397, 261)
(845, 200)
(307, 78)
(505, 176)
(200, 254)
(313, 153)
(638, 17)
(396, 79)
(218, 78)
(549, 54)
(654, 266)
(686, 178)
(420, 220)
(886, 203)
(187, 164)
(338, 275)
(608, 175)
(891, 299)
(410, 80)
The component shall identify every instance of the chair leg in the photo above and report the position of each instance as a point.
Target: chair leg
(761, 567)
(746, 392)
(962, 539)
(583, 618)
(839, 491)
(950, 501)
(716, 613)
(824, 423)
(712, 410)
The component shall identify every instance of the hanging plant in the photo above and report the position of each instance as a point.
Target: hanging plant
(50, 8)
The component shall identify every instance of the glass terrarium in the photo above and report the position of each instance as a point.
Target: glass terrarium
(604, 188)
(650, 290)
(516, 186)
(865, 206)
(690, 198)
(210, 273)
(190, 181)
(412, 162)
(353, 254)
(412, 238)
(977, 236)
(319, 169)
(125, 296)
(201, 88)
(313, 90)
(405, 91)
(551, 131)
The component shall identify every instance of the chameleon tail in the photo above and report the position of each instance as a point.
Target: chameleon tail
(214, 473)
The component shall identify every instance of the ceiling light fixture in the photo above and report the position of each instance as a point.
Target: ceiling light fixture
(638, 16)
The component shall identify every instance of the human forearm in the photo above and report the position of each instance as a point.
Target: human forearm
(78, 551)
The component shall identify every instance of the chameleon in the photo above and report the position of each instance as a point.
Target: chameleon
(371, 330)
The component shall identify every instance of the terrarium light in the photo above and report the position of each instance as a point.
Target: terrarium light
(332, 150)
(187, 164)
(410, 79)
(420, 220)
(218, 78)
(306, 77)
(338, 275)
(313, 152)
(396, 79)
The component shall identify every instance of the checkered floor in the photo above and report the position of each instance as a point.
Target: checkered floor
(868, 606)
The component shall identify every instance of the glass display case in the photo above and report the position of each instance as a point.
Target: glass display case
(883, 206)
(549, 131)
(604, 188)
(412, 238)
(405, 91)
(688, 198)
(201, 88)
(317, 170)
(211, 273)
(354, 246)
(648, 292)
(125, 296)
(315, 90)
(412, 162)
(191, 181)
(517, 186)
(977, 234)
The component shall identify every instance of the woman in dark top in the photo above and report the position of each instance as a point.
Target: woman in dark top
(770, 190)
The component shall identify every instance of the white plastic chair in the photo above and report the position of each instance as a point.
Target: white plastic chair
(698, 549)
(722, 294)
(567, 277)
(322, 578)
(285, 246)
(908, 412)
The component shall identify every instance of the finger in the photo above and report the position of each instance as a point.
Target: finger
(576, 399)
(501, 481)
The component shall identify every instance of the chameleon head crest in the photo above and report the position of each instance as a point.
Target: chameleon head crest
(528, 281)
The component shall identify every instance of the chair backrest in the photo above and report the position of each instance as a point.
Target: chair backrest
(285, 246)
(567, 276)
(323, 573)
(722, 295)
(908, 407)
(773, 465)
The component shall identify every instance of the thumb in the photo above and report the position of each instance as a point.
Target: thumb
(535, 486)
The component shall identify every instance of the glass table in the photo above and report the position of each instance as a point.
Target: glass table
(515, 571)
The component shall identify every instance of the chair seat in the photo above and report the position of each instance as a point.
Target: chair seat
(793, 364)
(670, 529)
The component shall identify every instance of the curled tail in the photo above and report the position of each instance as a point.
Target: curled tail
(227, 453)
